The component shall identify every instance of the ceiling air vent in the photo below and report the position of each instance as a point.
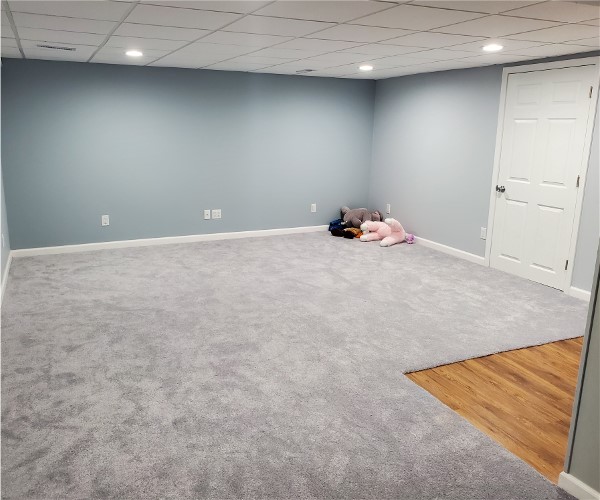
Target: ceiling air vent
(55, 47)
(302, 71)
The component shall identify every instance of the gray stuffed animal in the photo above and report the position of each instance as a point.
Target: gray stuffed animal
(357, 216)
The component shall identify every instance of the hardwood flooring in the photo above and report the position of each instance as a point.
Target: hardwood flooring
(522, 399)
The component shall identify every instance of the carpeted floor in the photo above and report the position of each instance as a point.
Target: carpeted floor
(263, 368)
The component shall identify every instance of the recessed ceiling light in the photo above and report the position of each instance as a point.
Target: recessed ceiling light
(366, 67)
(493, 47)
(134, 53)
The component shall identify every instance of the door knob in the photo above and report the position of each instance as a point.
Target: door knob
(500, 189)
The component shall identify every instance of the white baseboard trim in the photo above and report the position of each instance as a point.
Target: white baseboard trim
(579, 293)
(168, 240)
(5, 275)
(455, 252)
(577, 488)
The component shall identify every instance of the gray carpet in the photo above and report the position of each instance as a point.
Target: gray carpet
(259, 368)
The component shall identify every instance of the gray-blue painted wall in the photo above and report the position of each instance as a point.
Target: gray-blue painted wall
(154, 147)
(5, 243)
(433, 155)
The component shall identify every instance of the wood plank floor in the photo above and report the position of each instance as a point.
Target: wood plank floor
(522, 399)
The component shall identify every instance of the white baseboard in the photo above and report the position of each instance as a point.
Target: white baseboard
(5, 275)
(168, 240)
(579, 293)
(455, 252)
(577, 488)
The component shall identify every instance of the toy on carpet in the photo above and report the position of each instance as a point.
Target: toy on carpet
(388, 233)
(356, 216)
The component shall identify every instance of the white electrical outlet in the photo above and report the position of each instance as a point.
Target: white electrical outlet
(483, 234)
(105, 220)
(313, 207)
(216, 213)
(207, 214)
(388, 209)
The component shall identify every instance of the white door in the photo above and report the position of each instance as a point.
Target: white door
(541, 158)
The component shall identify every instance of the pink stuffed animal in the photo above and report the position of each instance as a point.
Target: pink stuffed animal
(389, 232)
(398, 233)
(374, 231)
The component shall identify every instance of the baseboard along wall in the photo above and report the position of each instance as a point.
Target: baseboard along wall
(577, 488)
(5, 275)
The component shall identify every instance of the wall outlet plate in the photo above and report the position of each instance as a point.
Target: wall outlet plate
(105, 220)
(207, 214)
(483, 233)
(313, 207)
(216, 213)
(388, 209)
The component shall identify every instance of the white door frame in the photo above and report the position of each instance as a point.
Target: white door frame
(570, 63)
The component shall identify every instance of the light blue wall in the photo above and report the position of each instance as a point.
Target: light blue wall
(589, 227)
(433, 155)
(154, 147)
(5, 247)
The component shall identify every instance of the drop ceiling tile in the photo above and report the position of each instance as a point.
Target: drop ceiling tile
(276, 26)
(417, 18)
(182, 18)
(264, 61)
(317, 44)
(164, 32)
(9, 42)
(333, 11)
(220, 51)
(294, 66)
(247, 39)
(335, 71)
(5, 21)
(6, 30)
(285, 53)
(234, 66)
(120, 52)
(11, 52)
(592, 22)
(129, 42)
(378, 49)
(81, 53)
(66, 37)
(494, 26)
(356, 33)
(559, 34)
(553, 49)
(109, 11)
(485, 7)
(338, 58)
(488, 59)
(396, 62)
(432, 40)
(168, 63)
(590, 42)
(507, 43)
(443, 54)
(240, 7)
(567, 12)
(187, 61)
(63, 23)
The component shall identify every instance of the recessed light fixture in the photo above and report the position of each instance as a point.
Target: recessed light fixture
(366, 67)
(493, 47)
(134, 53)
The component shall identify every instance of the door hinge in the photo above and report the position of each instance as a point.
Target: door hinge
(577, 183)
(591, 90)
(566, 264)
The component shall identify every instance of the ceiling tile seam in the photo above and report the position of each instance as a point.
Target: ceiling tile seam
(13, 26)
(204, 10)
(391, 6)
(412, 3)
(110, 33)
(210, 33)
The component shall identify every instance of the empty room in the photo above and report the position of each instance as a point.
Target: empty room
(280, 249)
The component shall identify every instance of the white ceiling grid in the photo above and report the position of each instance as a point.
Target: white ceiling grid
(328, 37)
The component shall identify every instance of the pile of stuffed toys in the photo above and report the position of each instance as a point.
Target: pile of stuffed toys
(368, 226)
